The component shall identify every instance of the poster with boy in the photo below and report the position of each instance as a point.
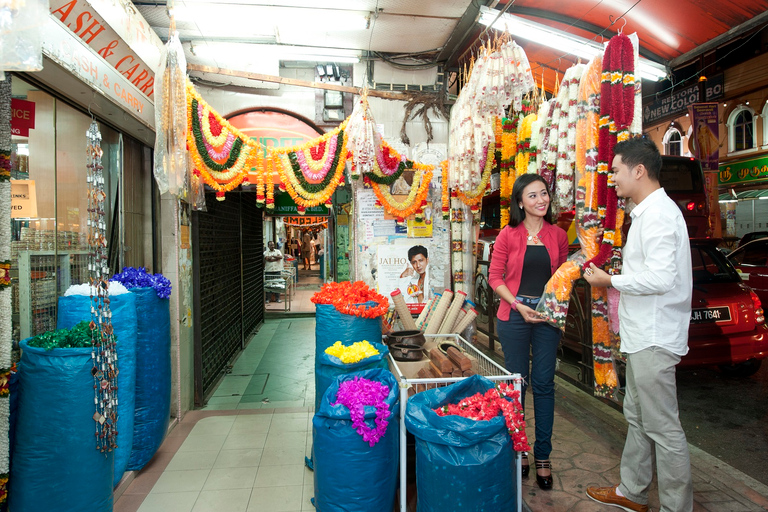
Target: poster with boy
(404, 268)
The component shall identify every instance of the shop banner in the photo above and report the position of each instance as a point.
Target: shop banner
(305, 221)
(23, 117)
(754, 169)
(394, 271)
(285, 206)
(23, 199)
(705, 135)
(681, 99)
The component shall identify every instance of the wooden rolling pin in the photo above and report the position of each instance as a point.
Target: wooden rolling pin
(459, 359)
(403, 312)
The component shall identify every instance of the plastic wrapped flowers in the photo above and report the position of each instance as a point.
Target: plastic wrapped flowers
(132, 277)
(353, 353)
(502, 399)
(358, 393)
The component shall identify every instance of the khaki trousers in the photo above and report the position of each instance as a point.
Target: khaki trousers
(650, 407)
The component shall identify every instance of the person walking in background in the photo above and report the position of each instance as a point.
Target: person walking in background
(654, 314)
(306, 250)
(526, 254)
(273, 268)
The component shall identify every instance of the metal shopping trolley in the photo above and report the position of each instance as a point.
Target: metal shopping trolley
(485, 367)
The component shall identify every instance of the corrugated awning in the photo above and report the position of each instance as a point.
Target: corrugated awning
(745, 194)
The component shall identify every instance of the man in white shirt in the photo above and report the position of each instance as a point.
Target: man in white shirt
(654, 313)
(273, 268)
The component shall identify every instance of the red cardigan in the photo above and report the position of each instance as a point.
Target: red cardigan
(509, 252)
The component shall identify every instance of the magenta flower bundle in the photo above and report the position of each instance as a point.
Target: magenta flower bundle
(356, 395)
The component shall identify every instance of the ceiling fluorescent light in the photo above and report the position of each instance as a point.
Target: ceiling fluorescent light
(558, 40)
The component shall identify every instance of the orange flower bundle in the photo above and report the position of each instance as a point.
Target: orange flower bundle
(350, 298)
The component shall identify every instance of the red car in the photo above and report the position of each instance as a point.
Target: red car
(751, 260)
(727, 323)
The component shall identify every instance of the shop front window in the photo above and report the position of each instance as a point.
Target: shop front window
(49, 247)
(741, 129)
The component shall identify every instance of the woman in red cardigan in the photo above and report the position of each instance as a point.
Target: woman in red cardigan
(525, 255)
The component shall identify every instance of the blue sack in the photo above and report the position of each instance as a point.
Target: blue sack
(332, 326)
(329, 367)
(350, 475)
(74, 309)
(55, 463)
(153, 382)
(461, 464)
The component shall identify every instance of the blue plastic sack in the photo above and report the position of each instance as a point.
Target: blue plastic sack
(55, 463)
(461, 464)
(350, 475)
(74, 309)
(329, 367)
(332, 326)
(153, 381)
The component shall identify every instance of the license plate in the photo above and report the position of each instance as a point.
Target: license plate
(710, 315)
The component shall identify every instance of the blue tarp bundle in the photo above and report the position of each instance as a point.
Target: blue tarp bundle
(153, 378)
(77, 308)
(461, 464)
(55, 464)
(350, 475)
(329, 367)
(332, 326)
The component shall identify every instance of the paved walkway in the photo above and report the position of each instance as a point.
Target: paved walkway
(244, 451)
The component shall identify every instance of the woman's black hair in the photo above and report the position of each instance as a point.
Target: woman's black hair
(517, 214)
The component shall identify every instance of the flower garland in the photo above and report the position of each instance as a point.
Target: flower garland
(524, 144)
(5, 291)
(358, 393)
(566, 143)
(501, 399)
(474, 197)
(507, 174)
(445, 195)
(350, 298)
(132, 277)
(353, 353)
(414, 204)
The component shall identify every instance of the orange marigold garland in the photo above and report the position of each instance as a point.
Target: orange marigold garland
(414, 203)
(446, 196)
(350, 299)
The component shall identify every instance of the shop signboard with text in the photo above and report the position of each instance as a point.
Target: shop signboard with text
(22, 117)
(680, 99)
(745, 172)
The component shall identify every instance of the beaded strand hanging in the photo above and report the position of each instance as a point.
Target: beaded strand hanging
(103, 351)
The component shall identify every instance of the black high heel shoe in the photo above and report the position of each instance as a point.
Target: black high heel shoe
(525, 465)
(545, 482)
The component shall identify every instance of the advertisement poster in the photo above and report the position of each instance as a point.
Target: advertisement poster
(404, 267)
(706, 135)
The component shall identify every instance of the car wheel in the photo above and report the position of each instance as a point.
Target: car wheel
(741, 370)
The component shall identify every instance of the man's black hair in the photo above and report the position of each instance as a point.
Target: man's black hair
(417, 249)
(638, 150)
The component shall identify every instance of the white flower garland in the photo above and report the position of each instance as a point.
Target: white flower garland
(5, 255)
(566, 146)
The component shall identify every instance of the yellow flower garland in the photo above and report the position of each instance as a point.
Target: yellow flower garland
(414, 203)
(475, 196)
(446, 196)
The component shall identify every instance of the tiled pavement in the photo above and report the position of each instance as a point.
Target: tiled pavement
(244, 451)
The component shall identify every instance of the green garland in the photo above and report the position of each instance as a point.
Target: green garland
(78, 336)
(388, 180)
(313, 188)
(234, 154)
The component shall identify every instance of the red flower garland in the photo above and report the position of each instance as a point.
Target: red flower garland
(349, 299)
(502, 399)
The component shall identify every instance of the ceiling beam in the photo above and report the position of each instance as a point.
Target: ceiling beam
(458, 38)
(388, 95)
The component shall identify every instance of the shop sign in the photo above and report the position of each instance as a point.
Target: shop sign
(284, 206)
(23, 199)
(706, 130)
(679, 101)
(86, 21)
(73, 54)
(22, 117)
(305, 221)
(755, 169)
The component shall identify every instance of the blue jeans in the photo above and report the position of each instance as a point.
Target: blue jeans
(519, 340)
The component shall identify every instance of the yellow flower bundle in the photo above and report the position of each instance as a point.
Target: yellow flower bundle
(353, 353)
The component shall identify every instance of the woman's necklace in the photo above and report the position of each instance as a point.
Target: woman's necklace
(533, 237)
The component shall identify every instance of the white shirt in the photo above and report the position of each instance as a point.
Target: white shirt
(656, 282)
(273, 266)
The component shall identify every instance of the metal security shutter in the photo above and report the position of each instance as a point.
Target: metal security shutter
(228, 284)
(253, 264)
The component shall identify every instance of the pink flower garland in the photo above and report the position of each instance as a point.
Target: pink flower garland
(358, 393)
(388, 164)
(500, 399)
(223, 153)
(307, 171)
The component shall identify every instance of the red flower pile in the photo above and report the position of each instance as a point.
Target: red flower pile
(349, 298)
(500, 399)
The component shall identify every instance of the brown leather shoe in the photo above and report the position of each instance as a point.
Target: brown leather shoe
(608, 496)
